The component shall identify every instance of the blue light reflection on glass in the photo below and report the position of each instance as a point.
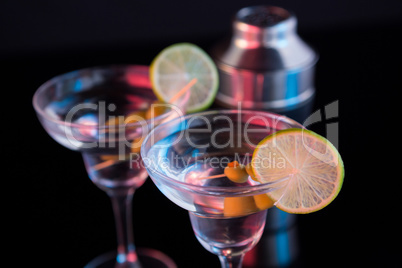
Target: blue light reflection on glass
(195, 153)
(78, 85)
(121, 258)
(282, 243)
(292, 85)
(62, 105)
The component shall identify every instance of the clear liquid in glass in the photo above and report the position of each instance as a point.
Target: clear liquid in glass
(107, 150)
(182, 159)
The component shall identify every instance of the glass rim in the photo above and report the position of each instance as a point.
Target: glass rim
(217, 190)
(43, 87)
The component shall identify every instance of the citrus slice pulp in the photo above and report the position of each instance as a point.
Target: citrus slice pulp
(175, 66)
(306, 169)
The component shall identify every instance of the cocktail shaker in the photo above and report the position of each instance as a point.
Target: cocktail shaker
(264, 65)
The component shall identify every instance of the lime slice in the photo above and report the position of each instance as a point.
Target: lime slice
(306, 169)
(175, 66)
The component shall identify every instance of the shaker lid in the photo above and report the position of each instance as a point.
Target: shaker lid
(262, 16)
(264, 39)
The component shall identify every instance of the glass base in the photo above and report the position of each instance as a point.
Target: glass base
(149, 258)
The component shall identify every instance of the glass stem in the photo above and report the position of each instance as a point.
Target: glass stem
(230, 261)
(122, 208)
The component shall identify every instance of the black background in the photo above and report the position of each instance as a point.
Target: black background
(58, 218)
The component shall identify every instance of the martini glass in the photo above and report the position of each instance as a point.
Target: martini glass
(185, 157)
(100, 113)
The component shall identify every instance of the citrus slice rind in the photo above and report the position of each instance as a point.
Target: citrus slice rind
(175, 66)
(305, 168)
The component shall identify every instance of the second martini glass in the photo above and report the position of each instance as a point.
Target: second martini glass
(100, 112)
(185, 159)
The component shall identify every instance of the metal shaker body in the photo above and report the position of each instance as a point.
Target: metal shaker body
(265, 65)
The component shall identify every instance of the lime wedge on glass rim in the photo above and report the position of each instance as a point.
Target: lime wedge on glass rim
(175, 66)
(306, 169)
